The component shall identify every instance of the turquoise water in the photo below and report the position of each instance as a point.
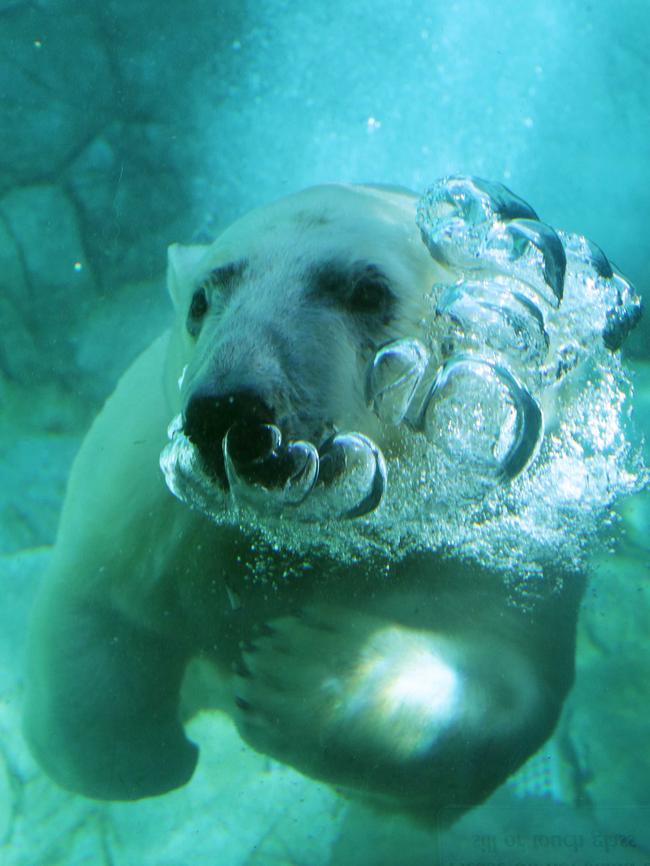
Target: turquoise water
(126, 127)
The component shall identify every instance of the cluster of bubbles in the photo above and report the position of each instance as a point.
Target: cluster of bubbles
(511, 403)
(344, 479)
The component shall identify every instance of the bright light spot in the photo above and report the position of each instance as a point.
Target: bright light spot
(38, 43)
(78, 266)
(423, 681)
(406, 689)
(528, 122)
(372, 123)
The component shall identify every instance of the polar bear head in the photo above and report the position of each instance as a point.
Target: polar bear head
(278, 322)
(282, 315)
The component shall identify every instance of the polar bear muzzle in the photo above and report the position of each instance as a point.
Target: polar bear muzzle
(230, 441)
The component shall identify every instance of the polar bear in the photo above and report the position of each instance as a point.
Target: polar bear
(413, 682)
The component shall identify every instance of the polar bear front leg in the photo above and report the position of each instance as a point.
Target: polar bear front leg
(412, 718)
(101, 709)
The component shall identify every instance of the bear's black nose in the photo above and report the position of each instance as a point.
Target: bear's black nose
(209, 416)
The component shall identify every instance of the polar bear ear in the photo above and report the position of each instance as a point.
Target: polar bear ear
(183, 268)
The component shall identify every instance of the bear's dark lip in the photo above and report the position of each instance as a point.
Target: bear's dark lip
(249, 456)
(258, 471)
(207, 418)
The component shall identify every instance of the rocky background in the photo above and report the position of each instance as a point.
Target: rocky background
(126, 126)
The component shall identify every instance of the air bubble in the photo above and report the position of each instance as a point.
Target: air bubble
(277, 477)
(482, 417)
(395, 374)
(473, 226)
(494, 314)
(352, 478)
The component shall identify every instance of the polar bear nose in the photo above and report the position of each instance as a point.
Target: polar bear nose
(208, 417)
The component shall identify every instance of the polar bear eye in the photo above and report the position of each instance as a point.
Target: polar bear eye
(198, 309)
(364, 290)
(371, 294)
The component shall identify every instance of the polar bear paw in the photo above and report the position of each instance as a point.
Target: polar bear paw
(346, 696)
(357, 675)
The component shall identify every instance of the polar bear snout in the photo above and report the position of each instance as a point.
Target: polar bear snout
(209, 416)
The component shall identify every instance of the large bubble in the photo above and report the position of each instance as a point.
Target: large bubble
(511, 405)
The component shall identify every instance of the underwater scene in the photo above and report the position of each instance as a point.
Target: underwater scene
(324, 407)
